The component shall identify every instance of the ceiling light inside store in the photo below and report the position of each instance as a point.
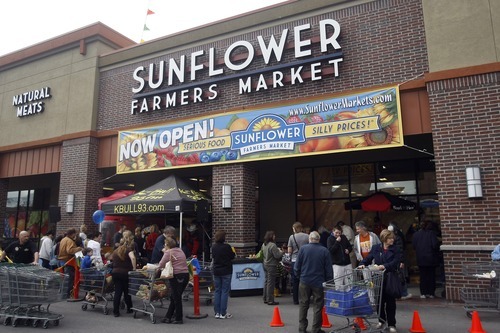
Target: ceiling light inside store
(335, 187)
(383, 179)
(325, 183)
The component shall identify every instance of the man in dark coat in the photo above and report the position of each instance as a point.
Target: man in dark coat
(426, 247)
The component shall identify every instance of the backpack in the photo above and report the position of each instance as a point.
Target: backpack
(53, 255)
(495, 254)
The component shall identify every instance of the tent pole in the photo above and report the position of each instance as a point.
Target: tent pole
(180, 231)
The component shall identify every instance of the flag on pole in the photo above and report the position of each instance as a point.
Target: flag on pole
(145, 28)
(150, 12)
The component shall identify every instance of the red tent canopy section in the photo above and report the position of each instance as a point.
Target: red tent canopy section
(381, 202)
(117, 195)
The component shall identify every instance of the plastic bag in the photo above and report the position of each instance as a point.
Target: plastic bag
(168, 271)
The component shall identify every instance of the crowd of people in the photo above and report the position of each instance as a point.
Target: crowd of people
(315, 257)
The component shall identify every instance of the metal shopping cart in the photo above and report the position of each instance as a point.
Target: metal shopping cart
(485, 297)
(148, 288)
(205, 283)
(98, 285)
(24, 289)
(356, 296)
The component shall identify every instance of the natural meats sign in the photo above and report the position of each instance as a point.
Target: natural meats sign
(176, 81)
(368, 120)
(31, 102)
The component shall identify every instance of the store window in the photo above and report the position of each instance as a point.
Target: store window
(396, 177)
(362, 176)
(304, 181)
(27, 210)
(322, 192)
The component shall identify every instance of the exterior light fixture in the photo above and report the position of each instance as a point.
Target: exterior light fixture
(474, 187)
(70, 203)
(226, 196)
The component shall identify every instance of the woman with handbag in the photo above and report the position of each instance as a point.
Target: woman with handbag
(175, 257)
(295, 241)
(272, 256)
(388, 257)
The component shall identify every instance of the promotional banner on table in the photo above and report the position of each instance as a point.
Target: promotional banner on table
(367, 120)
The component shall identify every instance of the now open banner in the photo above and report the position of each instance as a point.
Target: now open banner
(366, 120)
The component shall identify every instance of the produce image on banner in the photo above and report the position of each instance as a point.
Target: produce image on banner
(367, 120)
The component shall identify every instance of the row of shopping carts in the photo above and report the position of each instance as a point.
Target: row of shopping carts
(26, 292)
(485, 296)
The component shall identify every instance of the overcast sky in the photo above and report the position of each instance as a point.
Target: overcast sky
(27, 22)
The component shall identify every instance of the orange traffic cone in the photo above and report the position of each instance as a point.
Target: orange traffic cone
(276, 322)
(326, 321)
(360, 323)
(416, 326)
(476, 326)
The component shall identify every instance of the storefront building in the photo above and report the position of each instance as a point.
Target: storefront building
(279, 115)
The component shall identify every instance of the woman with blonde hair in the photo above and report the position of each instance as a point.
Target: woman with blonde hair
(83, 234)
(124, 261)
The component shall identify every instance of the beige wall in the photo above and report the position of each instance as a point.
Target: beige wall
(462, 33)
(73, 80)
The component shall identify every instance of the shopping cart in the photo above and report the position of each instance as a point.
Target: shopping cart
(205, 283)
(356, 296)
(98, 287)
(23, 291)
(485, 297)
(148, 288)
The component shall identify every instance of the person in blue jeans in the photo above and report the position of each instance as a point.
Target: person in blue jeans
(222, 256)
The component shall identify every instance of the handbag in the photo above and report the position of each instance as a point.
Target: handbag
(168, 271)
(393, 286)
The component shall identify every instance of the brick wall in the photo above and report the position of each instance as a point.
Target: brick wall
(465, 117)
(4, 188)
(79, 176)
(239, 220)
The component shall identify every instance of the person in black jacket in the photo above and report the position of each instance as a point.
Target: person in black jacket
(426, 245)
(222, 256)
(339, 247)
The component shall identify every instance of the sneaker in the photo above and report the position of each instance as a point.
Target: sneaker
(407, 297)
(392, 329)
(422, 296)
(429, 296)
(379, 325)
(226, 316)
(217, 315)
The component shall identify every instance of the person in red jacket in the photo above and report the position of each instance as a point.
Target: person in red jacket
(151, 240)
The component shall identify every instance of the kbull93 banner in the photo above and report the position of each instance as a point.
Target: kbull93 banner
(367, 120)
